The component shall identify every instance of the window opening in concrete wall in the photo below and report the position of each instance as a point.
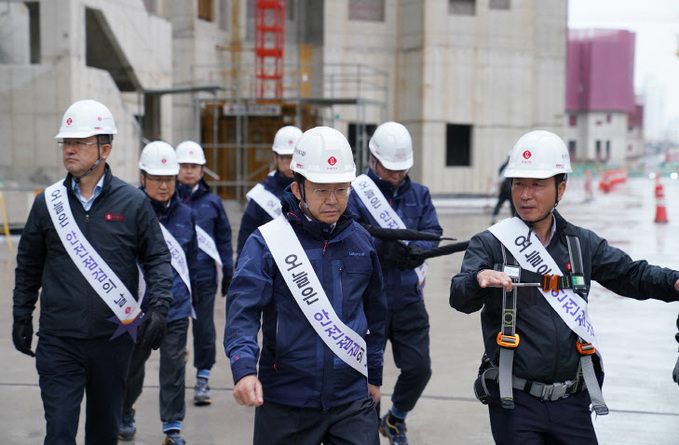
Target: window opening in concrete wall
(206, 10)
(572, 120)
(458, 145)
(571, 149)
(608, 150)
(499, 4)
(34, 30)
(367, 10)
(462, 7)
(597, 146)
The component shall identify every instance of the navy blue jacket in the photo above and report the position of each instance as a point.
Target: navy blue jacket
(547, 352)
(296, 368)
(413, 205)
(254, 216)
(121, 227)
(180, 221)
(211, 217)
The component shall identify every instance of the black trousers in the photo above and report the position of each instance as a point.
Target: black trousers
(351, 424)
(171, 375)
(408, 331)
(204, 334)
(533, 422)
(69, 368)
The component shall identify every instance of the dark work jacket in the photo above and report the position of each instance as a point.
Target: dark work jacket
(547, 350)
(296, 368)
(210, 216)
(413, 205)
(179, 220)
(254, 216)
(122, 228)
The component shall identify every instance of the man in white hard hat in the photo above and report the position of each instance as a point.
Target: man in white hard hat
(313, 278)
(214, 250)
(264, 198)
(386, 196)
(541, 369)
(80, 245)
(158, 172)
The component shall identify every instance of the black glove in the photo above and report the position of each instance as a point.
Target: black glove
(153, 327)
(22, 335)
(675, 372)
(393, 252)
(413, 259)
(226, 282)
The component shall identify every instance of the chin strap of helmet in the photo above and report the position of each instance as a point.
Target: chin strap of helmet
(302, 194)
(91, 169)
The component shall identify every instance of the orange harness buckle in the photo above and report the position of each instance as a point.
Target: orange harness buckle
(508, 341)
(585, 348)
(550, 282)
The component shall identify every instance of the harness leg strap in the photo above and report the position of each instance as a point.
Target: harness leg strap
(593, 388)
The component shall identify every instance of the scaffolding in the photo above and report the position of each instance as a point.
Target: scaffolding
(269, 45)
(236, 127)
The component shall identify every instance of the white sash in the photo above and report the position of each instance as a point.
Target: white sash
(266, 200)
(532, 255)
(207, 245)
(306, 288)
(95, 270)
(178, 257)
(373, 199)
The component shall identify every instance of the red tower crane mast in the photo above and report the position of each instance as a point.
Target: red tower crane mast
(269, 46)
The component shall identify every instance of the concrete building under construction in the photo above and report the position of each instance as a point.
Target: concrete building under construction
(466, 77)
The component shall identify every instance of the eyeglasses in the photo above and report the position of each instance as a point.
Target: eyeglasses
(76, 144)
(159, 179)
(340, 192)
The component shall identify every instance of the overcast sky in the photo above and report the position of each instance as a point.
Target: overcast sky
(656, 24)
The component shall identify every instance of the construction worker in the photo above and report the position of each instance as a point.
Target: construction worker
(504, 192)
(158, 172)
(386, 196)
(214, 250)
(541, 369)
(80, 245)
(313, 277)
(264, 198)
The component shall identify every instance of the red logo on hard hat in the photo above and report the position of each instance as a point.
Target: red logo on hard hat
(290, 142)
(99, 118)
(163, 161)
(69, 121)
(527, 154)
(332, 160)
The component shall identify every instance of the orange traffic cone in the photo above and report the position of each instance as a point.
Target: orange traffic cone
(660, 210)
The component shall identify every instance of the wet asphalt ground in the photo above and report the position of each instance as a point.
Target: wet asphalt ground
(636, 339)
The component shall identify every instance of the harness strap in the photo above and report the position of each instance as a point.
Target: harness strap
(586, 349)
(542, 391)
(507, 338)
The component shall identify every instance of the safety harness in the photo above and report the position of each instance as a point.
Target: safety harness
(508, 340)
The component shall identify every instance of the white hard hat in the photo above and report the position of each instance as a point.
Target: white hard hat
(189, 152)
(285, 140)
(86, 118)
(539, 154)
(392, 146)
(159, 158)
(323, 155)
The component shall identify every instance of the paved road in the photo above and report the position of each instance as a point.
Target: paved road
(636, 338)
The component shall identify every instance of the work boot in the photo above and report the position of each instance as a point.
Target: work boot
(127, 426)
(201, 392)
(394, 429)
(173, 439)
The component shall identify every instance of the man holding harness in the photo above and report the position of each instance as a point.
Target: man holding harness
(541, 369)
(81, 244)
(313, 277)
